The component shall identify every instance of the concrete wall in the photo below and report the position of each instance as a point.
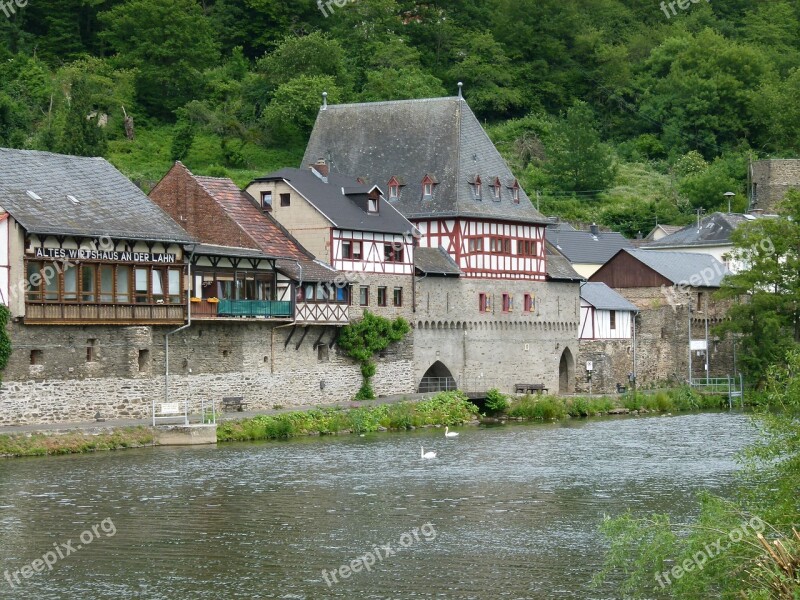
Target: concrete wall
(225, 359)
(495, 349)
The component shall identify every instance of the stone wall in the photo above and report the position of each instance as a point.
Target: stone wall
(770, 180)
(496, 349)
(207, 361)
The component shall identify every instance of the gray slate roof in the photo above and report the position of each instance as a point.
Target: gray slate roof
(603, 297)
(108, 203)
(435, 261)
(334, 199)
(560, 269)
(409, 139)
(715, 230)
(581, 247)
(682, 267)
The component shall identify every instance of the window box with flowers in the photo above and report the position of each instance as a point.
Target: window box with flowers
(212, 300)
(195, 299)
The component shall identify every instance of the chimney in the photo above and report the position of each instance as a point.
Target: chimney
(594, 229)
(320, 169)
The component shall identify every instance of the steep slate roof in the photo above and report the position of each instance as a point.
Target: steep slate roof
(715, 230)
(268, 234)
(680, 267)
(334, 200)
(582, 247)
(667, 229)
(560, 269)
(603, 297)
(409, 139)
(109, 204)
(435, 261)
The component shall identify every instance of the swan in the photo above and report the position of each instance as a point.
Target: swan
(450, 434)
(423, 454)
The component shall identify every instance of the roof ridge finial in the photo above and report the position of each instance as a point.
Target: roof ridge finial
(460, 86)
(324, 100)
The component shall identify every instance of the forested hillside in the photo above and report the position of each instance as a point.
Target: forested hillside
(620, 111)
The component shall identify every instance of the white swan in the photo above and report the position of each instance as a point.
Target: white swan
(423, 454)
(450, 434)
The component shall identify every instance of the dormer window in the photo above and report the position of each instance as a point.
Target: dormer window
(497, 187)
(427, 187)
(477, 187)
(394, 188)
(266, 200)
(372, 202)
(515, 192)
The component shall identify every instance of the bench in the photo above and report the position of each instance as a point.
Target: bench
(232, 402)
(525, 388)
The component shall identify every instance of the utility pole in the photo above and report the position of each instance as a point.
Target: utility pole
(708, 350)
(689, 309)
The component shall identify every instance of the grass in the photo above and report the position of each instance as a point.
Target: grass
(446, 408)
(39, 444)
(147, 159)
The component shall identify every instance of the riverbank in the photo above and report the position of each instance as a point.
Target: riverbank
(445, 408)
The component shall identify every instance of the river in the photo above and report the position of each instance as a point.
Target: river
(503, 512)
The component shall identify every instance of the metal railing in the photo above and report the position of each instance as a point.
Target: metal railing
(437, 384)
(730, 386)
(254, 308)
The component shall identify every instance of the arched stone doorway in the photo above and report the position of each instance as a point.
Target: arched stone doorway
(437, 378)
(566, 373)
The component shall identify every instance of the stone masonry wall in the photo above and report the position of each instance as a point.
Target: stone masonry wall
(207, 361)
(771, 179)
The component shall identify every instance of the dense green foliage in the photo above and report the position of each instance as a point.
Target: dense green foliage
(748, 567)
(766, 295)
(5, 339)
(610, 111)
(446, 408)
(363, 339)
(496, 401)
(39, 444)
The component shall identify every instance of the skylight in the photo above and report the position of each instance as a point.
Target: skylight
(73, 199)
(33, 195)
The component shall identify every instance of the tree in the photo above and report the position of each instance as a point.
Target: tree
(766, 314)
(579, 161)
(293, 110)
(82, 136)
(169, 43)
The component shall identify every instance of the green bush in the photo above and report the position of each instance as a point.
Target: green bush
(542, 408)
(496, 401)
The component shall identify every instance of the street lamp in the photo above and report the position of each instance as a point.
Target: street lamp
(729, 196)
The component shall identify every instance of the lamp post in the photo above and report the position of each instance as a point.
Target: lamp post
(729, 196)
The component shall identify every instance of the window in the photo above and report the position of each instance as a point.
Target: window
(141, 285)
(356, 250)
(484, 302)
(507, 246)
(499, 245)
(394, 190)
(515, 194)
(106, 283)
(372, 205)
(87, 283)
(266, 200)
(427, 190)
(398, 296)
(476, 244)
(529, 303)
(91, 350)
(37, 357)
(507, 303)
(174, 286)
(323, 353)
(477, 188)
(393, 252)
(144, 360)
(286, 199)
(70, 285)
(700, 306)
(612, 316)
(381, 296)
(497, 187)
(347, 250)
(526, 248)
(123, 283)
(343, 294)
(363, 295)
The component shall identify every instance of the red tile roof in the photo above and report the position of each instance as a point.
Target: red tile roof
(268, 234)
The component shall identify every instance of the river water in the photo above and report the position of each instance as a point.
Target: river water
(504, 512)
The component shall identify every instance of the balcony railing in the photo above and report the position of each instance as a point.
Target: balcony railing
(57, 313)
(268, 309)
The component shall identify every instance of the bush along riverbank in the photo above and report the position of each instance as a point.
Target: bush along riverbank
(446, 408)
(42, 444)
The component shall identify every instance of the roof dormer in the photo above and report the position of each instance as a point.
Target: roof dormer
(394, 188)
(514, 187)
(497, 187)
(427, 186)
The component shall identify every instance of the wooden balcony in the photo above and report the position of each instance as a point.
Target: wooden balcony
(50, 313)
(322, 313)
(228, 309)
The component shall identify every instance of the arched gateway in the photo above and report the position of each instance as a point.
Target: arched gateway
(566, 373)
(437, 378)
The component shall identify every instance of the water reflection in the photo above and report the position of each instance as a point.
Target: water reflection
(515, 509)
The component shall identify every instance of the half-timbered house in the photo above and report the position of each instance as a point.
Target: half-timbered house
(501, 319)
